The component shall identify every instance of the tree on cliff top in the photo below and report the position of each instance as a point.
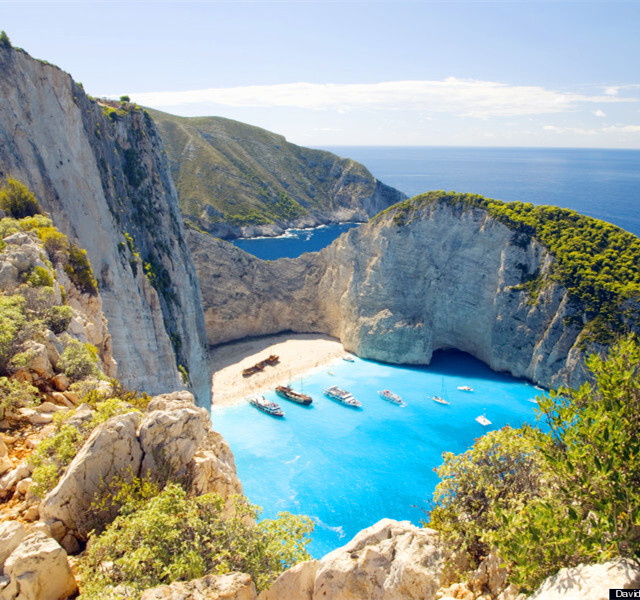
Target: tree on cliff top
(5, 42)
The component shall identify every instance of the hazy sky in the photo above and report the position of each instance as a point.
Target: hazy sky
(508, 73)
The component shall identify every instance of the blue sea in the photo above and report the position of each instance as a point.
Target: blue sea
(349, 468)
(604, 184)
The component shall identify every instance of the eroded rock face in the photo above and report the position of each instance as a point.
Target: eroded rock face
(173, 442)
(589, 582)
(392, 560)
(234, 586)
(38, 570)
(101, 177)
(397, 293)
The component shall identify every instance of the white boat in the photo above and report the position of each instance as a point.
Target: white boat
(482, 419)
(348, 358)
(391, 397)
(465, 388)
(342, 396)
(271, 408)
(442, 398)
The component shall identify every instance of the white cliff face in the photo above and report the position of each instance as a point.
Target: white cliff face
(397, 293)
(100, 178)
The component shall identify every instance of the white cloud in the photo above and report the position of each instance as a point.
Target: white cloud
(622, 129)
(577, 130)
(599, 113)
(464, 97)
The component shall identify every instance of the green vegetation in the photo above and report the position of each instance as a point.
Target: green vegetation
(597, 262)
(16, 394)
(175, 537)
(17, 200)
(125, 99)
(17, 325)
(226, 171)
(5, 42)
(557, 499)
(79, 361)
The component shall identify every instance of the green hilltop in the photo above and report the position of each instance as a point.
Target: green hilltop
(227, 172)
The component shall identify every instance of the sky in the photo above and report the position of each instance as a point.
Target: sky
(530, 73)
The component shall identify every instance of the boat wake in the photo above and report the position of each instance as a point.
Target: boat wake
(322, 525)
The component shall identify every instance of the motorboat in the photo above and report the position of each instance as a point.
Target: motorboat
(482, 419)
(465, 388)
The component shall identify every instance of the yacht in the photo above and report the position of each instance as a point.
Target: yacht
(342, 396)
(482, 419)
(391, 397)
(271, 408)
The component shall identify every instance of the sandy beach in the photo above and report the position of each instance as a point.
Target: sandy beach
(298, 352)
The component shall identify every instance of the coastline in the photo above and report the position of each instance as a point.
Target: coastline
(299, 353)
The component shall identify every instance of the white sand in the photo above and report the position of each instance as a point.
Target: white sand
(299, 353)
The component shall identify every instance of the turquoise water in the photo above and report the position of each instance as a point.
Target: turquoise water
(348, 468)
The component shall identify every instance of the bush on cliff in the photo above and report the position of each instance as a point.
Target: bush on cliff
(174, 537)
(17, 200)
(557, 499)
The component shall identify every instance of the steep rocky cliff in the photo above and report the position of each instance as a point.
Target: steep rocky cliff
(447, 274)
(236, 180)
(101, 174)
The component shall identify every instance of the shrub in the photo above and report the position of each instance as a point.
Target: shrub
(54, 242)
(79, 270)
(17, 200)
(175, 537)
(16, 326)
(39, 277)
(554, 500)
(9, 226)
(125, 99)
(16, 394)
(79, 361)
(5, 42)
(57, 318)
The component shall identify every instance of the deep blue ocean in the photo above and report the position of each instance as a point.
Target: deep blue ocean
(604, 184)
(349, 468)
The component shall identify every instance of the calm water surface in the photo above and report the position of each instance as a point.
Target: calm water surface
(349, 468)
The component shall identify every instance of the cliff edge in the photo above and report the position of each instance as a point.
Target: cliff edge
(101, 174)
(436, 272)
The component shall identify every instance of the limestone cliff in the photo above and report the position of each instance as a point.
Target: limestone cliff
(236, 180)
(397, 289)
(101, 174)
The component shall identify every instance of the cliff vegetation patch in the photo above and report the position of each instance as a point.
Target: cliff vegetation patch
(556, 499)
(597, 262)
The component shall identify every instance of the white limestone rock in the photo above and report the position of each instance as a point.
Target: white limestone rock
(38, 570)
(169, 439)
(6, 464)
(111, 450)
(11, 535)
(233, 586)
(214, 468)
(589, 582)
(391, 560)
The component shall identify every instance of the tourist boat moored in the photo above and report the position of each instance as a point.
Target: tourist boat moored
(465, 388)
(286, 392)
(391, 397)
(482, 419)
(342, 396)
(271, 408)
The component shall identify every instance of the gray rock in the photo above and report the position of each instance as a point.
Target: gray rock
(234, 586)
(390, 560)
(589, 582)
(38, 570)
(11, 535)
(111, 450)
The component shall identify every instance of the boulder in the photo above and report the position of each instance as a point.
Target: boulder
(589, 582)
(171, 401)
(38, 359)
(234, 586)
(38, 570)
(111, 450)
(6, 464)
(35, 417)
(490, 576)
(54, 349)
(169, 439)
(11, 535)
(60, 382)
(214, 468)
(392, 560)
(9, 480)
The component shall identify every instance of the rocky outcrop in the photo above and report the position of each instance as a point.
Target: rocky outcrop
(397, 292)
(233, 586)
(37, 569)
(101, 174)
(391, 560)
(237, 180)
(172, 441)
(590, 582)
